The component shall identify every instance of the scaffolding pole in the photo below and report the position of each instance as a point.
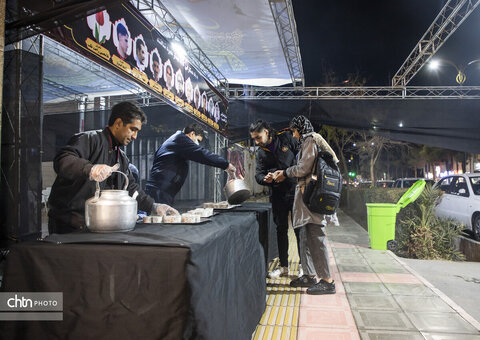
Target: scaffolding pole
(220, 144)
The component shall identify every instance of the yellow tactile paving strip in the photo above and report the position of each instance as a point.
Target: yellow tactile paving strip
(280, 320)
(275, 333)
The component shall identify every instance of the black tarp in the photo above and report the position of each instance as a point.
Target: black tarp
(267, 233)
(109, 291)
(446, 123)
(225, 274)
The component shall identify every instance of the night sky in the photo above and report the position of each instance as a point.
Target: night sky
(375, 37)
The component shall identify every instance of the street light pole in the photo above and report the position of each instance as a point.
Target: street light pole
(461, 77)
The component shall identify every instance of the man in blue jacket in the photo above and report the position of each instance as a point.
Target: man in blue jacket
(170, 166)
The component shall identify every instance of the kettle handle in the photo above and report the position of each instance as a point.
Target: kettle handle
(97, 191)
(126, 179)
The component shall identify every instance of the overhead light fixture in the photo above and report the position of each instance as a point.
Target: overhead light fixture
(434, 65)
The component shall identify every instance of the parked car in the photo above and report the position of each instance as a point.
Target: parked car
(365, 185)
(384, 183)
(461, 200)
(408, 182)
(378, 184)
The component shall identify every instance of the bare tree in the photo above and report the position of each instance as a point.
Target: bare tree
(371, 147)
(416, 159)
(341, 139)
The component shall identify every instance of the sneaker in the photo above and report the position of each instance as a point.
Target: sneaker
(300, 270)
(303, 281)
(280, 271)
(322, 287)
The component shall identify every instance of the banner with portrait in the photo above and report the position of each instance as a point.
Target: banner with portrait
(121, 39)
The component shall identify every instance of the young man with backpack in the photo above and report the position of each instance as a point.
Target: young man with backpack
(277, 151)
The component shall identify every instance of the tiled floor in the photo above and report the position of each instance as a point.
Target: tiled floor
(280, 320)
(378, 297)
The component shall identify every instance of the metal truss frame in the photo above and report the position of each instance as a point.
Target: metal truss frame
(66, 53)
(141, 99)
(61, 91)
(220, 144)
(303, 93)
(32, 44)
(448, 20)
(284, 19)
(22, 116)
(166, 24)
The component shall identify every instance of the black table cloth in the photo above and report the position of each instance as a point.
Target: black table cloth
(156, 282)
(267, 227)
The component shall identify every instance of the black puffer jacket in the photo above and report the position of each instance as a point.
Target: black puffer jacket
(72, 186)
(283, 156)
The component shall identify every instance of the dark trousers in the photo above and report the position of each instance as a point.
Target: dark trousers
(282, 204)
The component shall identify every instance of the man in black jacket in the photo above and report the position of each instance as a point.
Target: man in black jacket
(277, 151)
(170, 166)
(93, 156)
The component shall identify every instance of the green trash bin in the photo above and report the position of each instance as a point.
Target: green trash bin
(381, 218)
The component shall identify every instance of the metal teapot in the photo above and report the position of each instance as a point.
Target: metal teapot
(236, 190)
(112, 211)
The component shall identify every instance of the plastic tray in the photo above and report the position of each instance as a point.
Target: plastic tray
(228, 208)
(202, 220)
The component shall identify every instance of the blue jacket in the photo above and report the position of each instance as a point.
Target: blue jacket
(170, 166)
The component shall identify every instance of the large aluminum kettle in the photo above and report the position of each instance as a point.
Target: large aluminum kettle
(111, 210)
(236, 190)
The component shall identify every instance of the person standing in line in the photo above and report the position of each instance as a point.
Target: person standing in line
(313, 245)
(277, 151)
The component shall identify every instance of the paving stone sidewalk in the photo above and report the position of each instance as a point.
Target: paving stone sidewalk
(388, 299)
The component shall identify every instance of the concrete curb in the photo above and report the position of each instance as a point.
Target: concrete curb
(469, 247)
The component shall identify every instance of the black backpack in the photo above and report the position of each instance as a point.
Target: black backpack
(322, 193)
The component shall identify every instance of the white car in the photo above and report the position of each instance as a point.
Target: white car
(461, 200)
(408, 182)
